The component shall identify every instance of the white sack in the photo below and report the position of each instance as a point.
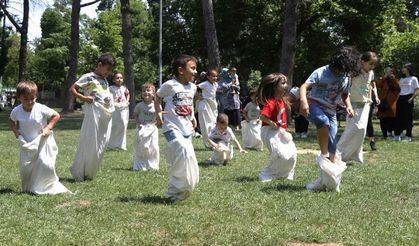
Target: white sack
(283, 154)
(120, 118)
(37, 166)
(330, 175)
(207, 117)
(183, 167)
(251, 135)
(146, 148)
(350, 144)
(94, 137)
(222, 153)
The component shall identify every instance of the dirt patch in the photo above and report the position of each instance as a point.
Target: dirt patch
(308, 151)
(313, 244)
(76, 114)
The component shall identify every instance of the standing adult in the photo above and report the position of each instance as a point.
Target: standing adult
(409, 89)
(389, 92)
(230, 96)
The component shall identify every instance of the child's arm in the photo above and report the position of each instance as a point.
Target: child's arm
(212, 143)
(246, 117)
(127, 95)
(269, 122)
(159, 112)
(347, 102)
(52, 122)
(13, 127)
(304, 108)
(193, 120)
(74, 91)
(239, 146)
(137, 120)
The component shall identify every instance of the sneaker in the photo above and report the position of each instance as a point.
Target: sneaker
(304, 135)
(407, 139)
(397, 138)
(373, 146)
(297, 135)
(197, 135)
(389, 134)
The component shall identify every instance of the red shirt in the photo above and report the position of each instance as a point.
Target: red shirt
(275, 111)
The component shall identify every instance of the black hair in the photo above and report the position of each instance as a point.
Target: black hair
(409, 67)
(369, 55)
(107, 59)
(181, 61)
(346, 59)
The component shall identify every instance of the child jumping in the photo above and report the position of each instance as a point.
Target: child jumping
(98, 107)
(328, 85)
(120, 117)
(207, 106)
(351, 142)
(178, 125)
(146, 144)
(275, 136)
(251, 126)
(219, 139)
(32, 124)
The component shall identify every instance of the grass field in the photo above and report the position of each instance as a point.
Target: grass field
(378, 203)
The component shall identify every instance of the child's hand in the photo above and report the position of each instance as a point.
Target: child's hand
(159, 118)
(350, 112)
(46, 132)
(139, 126)
(304, 109)
(87, 99)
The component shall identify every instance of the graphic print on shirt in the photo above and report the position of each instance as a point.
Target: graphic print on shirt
(183, 102)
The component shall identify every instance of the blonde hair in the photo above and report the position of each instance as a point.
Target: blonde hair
(26, 87)
(148, 85)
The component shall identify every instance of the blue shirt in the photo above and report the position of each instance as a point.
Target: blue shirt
(327, 88)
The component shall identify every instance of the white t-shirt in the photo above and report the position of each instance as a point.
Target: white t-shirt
(119, 93)
(361, 86)
(226, 137)
(96, 87)
(179, 106)
(31, 123)
(208, 90)
(253, 111)
(146, 113)
(408, 85)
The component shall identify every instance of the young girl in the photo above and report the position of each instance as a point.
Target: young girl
(219, 139)
(329, 84)
(146, 145)
(275, 136)
(120, 117)
(32, 124)
(409, 89)
(251, 125)
(207, 106)
(350, 143)
(178, 126)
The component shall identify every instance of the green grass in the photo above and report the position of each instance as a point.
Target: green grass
(378, 203)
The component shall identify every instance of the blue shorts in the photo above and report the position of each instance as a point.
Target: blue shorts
(321, 119)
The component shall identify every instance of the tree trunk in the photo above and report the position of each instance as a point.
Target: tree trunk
(127, 51)
(74, 56)
(211, 35)
(289, 31)
(23, 51)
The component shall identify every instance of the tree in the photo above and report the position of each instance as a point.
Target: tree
(211, 35)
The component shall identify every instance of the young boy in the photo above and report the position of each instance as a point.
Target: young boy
(146, 145)
(178, 126)
(251, 126)
(219, 138)
(98, 107)
(32, 124)
(328, 85)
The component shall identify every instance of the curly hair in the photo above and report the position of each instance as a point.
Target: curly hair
(346, 59)
(268, 87)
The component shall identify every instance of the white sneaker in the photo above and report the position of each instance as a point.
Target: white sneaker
(197, 135)
(397, 138)
(304, 135)
(407, 139)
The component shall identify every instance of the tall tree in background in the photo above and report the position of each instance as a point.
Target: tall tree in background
(289, 31)
(23, 30)
(127, 50)
(211, 35)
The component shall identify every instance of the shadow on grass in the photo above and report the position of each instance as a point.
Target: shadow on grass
(283, 187)
(246, 179)
(72, 180)
(8, 191)
(129, 169)
(146, 199)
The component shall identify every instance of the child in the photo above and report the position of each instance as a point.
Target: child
(219, 139)
(351, 142)
(146, 145)
(207, 106)
(98, 107)
(300, 122)
(328, 85)
(178, 127)
(38, 150)
(275, 136)
(120, 117)
(251, 126)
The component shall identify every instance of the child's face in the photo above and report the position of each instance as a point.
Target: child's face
(187, 73)
(221, 127)
(147, 94)
(281, 88)
(28, 100)
(103, 70)
(405, 71)
(253, 97)
(213, 77)
(118, 79)
(368, 65)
